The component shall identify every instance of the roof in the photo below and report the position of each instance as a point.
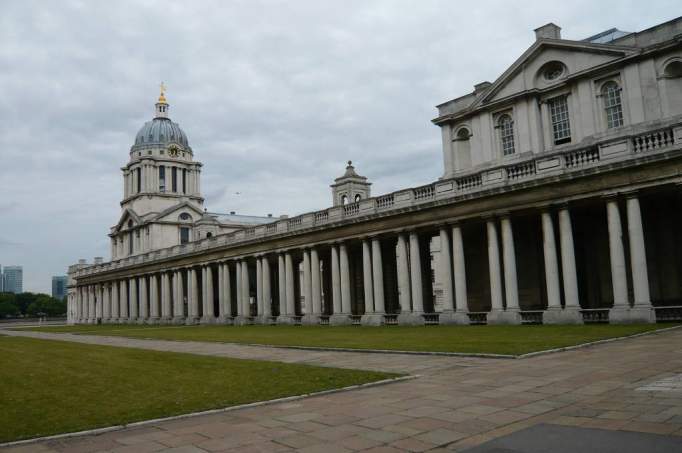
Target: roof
(237, 219)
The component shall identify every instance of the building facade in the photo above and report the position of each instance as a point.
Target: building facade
(59, 286)
(13, 279)
(559, 202)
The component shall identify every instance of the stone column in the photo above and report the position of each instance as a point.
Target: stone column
(551, 262)
(619, 312)
(134, 308)
(124, 314)
(226, 302)
(459, 271)
(179, 299)
(115, 306)
(246, 288)
(642, 311)
(378, 277)
(167, 297)
(106, 303)
(345, 279)
(240, 298)
(446, 272)
(99, 303)
(282, 286)
(154, 303)
(568, 267)
(494, 269)
(509, 256)
(209, 311)
(144, 302)
(259, 287)
(403, 268)
(368, 285)
(192, 295)
(316, 283)
(307, 289)
(91, 304)
(336, 282)
(416, 276)
(291, 307)
(267, 290)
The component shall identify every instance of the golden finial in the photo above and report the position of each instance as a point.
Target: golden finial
(162, 98)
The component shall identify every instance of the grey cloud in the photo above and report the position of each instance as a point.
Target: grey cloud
(274, 96)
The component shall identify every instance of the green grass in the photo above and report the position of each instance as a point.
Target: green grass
(512, 340)
(51, 387)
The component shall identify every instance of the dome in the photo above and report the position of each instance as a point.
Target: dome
(160, 131)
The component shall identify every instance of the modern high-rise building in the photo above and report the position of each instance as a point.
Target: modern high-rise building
(59, 286)
(13, 279)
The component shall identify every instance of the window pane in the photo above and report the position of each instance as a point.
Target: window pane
(184, 235)
(612, 105)
(162, 178)
(174, 174)
(561, 127)
(506, 126)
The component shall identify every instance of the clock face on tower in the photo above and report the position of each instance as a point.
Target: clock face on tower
(173, 151)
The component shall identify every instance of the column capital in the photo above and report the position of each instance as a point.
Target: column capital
(632, 193)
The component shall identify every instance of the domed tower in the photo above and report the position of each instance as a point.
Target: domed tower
(161, 189)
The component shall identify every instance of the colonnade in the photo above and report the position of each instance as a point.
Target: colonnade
(380, 279)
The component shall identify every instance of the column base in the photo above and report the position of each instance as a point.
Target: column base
(225, 320)
(310, 320)
(208, 320)
(632, 315)
(373, 319)
(243, 321)
(562, 316)
(153, 321)
(178, 320)
(453, 318)
(504, 317)
(340, 319)
(410, 319)
(141, 321)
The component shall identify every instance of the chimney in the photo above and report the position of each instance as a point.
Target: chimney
(232, 213)
(481, 87)
(548, 31)
(99, 260)
(82, 261)
(269, 215)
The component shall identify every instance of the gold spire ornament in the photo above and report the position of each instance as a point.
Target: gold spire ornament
(162, 98)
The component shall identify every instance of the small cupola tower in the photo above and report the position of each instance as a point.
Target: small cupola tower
(350, 187)
(161, 104)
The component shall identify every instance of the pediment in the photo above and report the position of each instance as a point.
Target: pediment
(172, 214)
(525, 73)
(127, 215)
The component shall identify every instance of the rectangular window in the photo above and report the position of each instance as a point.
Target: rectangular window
(184, 180)
(184, 235)
(139, 180)
(174, 176)
(162, 179)
(130, 243)
(561, 127)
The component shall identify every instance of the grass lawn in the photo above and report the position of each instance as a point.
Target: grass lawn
(513, 340)
(51, 387)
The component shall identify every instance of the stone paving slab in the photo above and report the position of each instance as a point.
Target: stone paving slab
(457, 403)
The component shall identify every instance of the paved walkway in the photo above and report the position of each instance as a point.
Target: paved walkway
(455, 404)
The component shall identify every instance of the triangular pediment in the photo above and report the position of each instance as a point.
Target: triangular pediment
(172, 213)
(524, 74)
(126, 215)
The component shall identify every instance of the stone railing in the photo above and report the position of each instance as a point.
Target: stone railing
(478, 317)
(641, 140)
(390, 319)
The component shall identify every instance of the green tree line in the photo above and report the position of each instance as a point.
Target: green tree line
(30, 304)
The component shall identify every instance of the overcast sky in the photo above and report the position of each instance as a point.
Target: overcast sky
(274, 97)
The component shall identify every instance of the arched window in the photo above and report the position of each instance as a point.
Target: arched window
(344, 199)
(613, 106)
(506, 126)
(463, 134)
(673, 69)
(358, 198)
(130, 223)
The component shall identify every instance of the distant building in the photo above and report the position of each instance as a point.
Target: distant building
(1, 281)
(59, 286)
(13, 279)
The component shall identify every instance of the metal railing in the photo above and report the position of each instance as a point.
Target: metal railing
(595, 315)
(531, 316)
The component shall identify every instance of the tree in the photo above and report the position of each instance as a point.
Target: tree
(8, 307)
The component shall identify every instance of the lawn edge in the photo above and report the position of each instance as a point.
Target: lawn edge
(107, 429)
(596, 342)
